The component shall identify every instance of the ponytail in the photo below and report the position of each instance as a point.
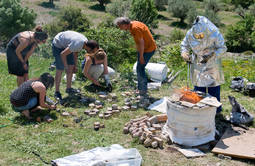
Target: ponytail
(40, 34)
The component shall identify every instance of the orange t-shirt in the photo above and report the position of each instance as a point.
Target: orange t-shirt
(140, 30)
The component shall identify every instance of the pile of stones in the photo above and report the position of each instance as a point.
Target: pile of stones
(148, 129)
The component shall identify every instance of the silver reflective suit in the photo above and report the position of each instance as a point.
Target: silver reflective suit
(207, 45)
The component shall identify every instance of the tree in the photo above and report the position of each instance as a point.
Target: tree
(211, 11)
(244, 3)
(144, 11)
(239, 36)
(14, 18)
(180, 8)
(71, 18)
(119, 8)
(160, 4)
(103, 2)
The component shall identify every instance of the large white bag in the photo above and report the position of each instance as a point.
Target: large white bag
(156, 71)
(189, 126)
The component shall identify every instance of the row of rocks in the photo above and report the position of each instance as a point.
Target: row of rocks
(147, 129)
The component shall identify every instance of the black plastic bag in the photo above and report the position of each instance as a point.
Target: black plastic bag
(239, 114)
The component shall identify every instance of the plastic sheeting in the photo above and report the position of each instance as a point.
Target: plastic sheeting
(159, 105)
(115, 155)
(157, 72)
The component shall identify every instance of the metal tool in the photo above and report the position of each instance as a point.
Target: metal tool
(188, 75)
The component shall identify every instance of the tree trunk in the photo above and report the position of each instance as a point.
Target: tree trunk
(51, 2)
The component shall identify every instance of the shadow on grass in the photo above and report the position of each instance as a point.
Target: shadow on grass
(161, 17)
(77, 100)
(97, 7)
(181, 25)
(94, 88)
(21, 120)
(47, 5)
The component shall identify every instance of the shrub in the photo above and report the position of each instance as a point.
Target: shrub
(53, 28)
(244, 3)
(108, 22)
(252, 9)
(192, 15)
(240, 11)
(171, 55)
(144, 11)
(160, 4)
(211, 9)
(103, 2)
(71, 18)
(180, 8)
(212, 5)
(176, 34)
(14, 18)
(119, 8)
(239, 37)
(117, 44)
(213, 17)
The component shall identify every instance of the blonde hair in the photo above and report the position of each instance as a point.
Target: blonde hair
(100, 54)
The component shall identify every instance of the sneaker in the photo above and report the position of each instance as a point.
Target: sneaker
(58, 95)
(72, 90)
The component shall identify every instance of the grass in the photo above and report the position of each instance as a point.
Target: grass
(19, 138)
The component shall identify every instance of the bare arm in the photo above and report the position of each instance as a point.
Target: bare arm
(22, 45)
(38, 87)
(63, 55)
(87, 66)
(105, 65)
(140, 49)
(30, 52)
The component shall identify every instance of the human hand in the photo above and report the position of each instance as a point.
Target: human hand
(25, 66)
(205, 58)
(53, 107)
(141, 60)
(66, 69)
(109, 87)
(75, 70)
(186, 57)
(97, 83)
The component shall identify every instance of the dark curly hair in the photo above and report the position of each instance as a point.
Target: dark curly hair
(47, 79)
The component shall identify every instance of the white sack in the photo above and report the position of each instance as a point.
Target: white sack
(156, 71)
(190, 127)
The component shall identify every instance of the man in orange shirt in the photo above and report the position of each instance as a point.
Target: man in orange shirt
(145, 46)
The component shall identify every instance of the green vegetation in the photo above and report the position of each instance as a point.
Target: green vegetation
(240, 37)
(144, 11)
(14, 18)
(19, 138)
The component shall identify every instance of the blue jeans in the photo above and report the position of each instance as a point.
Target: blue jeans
(31, 103)
(59, 63)
(213, 91)
(140, 69)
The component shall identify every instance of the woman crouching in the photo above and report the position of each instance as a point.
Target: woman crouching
(31, 94)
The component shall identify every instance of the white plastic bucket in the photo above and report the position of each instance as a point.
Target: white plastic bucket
(156, 71)
(188, 126)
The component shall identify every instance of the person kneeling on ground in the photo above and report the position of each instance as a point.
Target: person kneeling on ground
(31, 94)
(95, 65)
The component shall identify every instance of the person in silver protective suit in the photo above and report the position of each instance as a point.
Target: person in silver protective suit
(206, 43)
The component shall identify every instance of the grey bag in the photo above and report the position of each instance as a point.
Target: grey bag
(237, 83)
